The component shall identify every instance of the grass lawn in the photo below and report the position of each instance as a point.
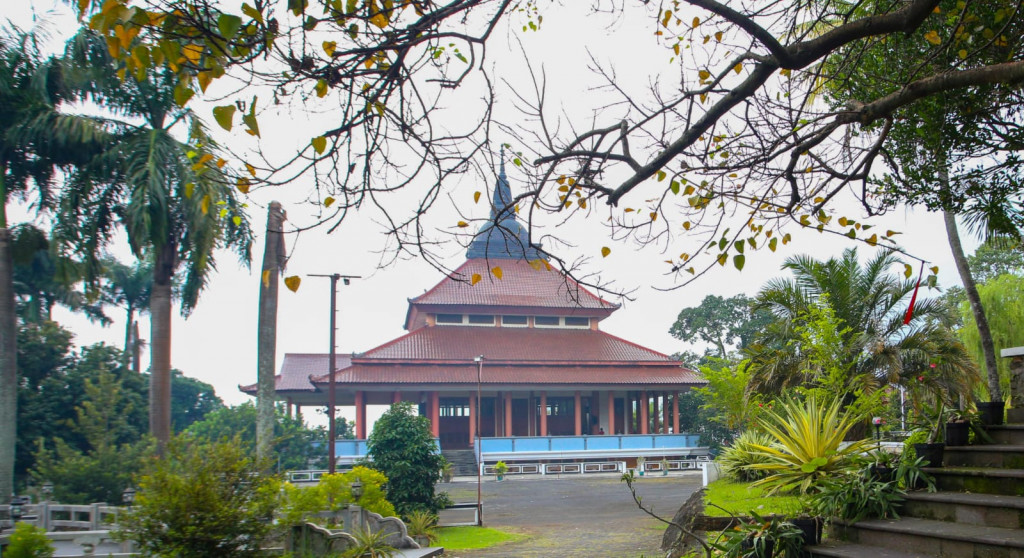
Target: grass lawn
(739, 498)
(464, 538)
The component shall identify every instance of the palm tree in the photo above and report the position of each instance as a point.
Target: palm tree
(129, 287)
(869, 304)
(35, 137)
(172, 196)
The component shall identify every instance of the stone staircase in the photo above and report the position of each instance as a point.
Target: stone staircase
(977, 512)
(464, 461)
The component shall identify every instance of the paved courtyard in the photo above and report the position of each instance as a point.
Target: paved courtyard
(573, 515)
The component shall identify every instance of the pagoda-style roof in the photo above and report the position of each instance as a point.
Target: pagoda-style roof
(503, 237)
(298, 368)
(524, 287)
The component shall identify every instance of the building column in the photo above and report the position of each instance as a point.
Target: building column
(360, 414)
(611, 413)
(666, 417)
(644, 409)
(543, 413)
(396, 397)
(289, 402)
(577, 411)
(508, 414)
(675, 412)
(435, 414)
(472, 420)
(298, 412)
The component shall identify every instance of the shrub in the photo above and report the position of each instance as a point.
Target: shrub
(807, 446)
(422, 524)
(402, 447)
(200, 500)
(736, 460)
(854, 497)
(333, 492)
(29, 541)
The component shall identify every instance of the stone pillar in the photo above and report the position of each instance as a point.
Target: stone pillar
(644, 410)
(360, 414)
(396, 397)
(675, 412)
(611, 413)
(508, 414)
(1015, 415)
(543, 413)
(577, 412)
(435, 414)
(472, 420)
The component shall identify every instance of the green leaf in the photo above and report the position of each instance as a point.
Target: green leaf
(319, 144)
(674, 187)
(228, 25)
(224, 116)
(182, 93)
(738, 260)
(252, 12)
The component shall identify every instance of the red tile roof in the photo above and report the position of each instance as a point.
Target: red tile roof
(625, 375)
(510, 344)
(298, 367)
(521, 285)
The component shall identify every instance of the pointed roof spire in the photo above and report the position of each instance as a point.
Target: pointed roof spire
(510, 240)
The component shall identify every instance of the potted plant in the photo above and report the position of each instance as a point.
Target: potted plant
(421, 525)
(664, 466)
(640, 461)
(991, 412)
(925, 441)
(761, 537)
(500, 468)
(447, 470)
(958, 427)
(883, 465)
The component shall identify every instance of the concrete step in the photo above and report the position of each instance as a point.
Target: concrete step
(1004, 456)
(983, 480)
(850, 550)
(930, 537)
(993, 510)
(1012, 434)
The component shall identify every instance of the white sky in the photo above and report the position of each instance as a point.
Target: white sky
(217, 344)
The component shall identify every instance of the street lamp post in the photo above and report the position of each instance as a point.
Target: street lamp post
(479, 451)
(128, 497)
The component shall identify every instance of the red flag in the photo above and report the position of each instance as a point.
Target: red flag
(913, 299)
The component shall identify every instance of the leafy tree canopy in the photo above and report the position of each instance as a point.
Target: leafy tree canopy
(723, 323)
(402, 447)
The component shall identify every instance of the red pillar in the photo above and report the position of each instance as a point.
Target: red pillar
(675, 412)
(472, 420)
(666, 418)
(396, 397)
(543, 413)
(576, 406)
(360, 416)
(508, 414)
(643, 412)
(289, 400)
(435, 414)
(611, 412)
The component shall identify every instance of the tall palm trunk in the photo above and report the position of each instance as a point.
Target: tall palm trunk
(129, 344)
(8, 355)
(971, 289)
(160, 347)
(136, 348)
(266, 348)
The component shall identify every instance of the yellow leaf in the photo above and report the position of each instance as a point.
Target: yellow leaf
(718, 36)
(319, 144)
(293, 283)
(189, 188)
(722, 258)
(330, 47)
(843, 221)
(251, 169)
(737, 68)
(537, 264)
(380, 20)
(204, 80)
(476, 197)
(321, 88)
(696, 21)
(933, 37)
(654, 216)
(328, 201)
(496, 271)
(266, 279)
(463, 224)
(475, 279)
(192, 53)
(687, 225)
(786, 72)
(873, 240)
(204, 205)
(560, 179)
(891, 233)
(704, 74)
(908, 271)
(242, 184)
(934, 269)
(605, 251)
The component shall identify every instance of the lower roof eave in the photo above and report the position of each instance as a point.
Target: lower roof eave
(490, 387)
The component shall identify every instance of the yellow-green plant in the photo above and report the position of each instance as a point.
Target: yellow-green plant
(333, 492)
(807, 446)
(737, 459)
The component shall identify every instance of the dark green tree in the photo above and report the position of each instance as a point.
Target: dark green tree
(725, 323)
(402, 447)
(191, 400)
(129, 287)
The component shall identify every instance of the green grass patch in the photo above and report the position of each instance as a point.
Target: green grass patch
(465, 538)
(740, 498)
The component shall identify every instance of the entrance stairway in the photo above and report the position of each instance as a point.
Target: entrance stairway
(978, 510)
(463, 461)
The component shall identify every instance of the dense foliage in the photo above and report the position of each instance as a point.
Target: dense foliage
(202, 500)
(332, 493)
(402, 447)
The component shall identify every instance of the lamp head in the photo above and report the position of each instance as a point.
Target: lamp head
(478, 358)
(128, 496)
(357, 489)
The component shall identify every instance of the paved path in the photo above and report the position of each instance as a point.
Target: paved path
(592, 516)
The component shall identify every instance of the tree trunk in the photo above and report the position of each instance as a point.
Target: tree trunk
(160, 348)
(136, 348)
(8, 366)
(129, 345)
(977, 309)
(266, 348)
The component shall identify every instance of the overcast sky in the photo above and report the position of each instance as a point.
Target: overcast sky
(217, 344)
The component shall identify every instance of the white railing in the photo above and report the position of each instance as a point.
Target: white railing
(52, 516)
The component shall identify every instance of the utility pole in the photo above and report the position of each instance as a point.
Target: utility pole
(331, 365)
